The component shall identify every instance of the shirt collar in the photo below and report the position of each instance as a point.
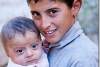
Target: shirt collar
(69, 36)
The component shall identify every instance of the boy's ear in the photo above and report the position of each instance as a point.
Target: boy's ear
(76, 7)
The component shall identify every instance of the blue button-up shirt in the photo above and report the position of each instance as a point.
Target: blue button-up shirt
(75, 49)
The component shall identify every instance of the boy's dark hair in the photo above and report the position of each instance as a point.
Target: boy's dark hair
(69, 3)
(18, 25)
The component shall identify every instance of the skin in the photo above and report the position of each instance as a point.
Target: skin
(24, 50)
(53, 18)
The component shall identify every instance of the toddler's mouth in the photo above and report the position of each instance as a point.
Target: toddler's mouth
(32, 61)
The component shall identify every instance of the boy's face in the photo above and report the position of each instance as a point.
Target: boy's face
(53, 18)
(24, 50)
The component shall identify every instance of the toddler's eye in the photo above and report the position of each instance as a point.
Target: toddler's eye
(19, 51)
(34, 46)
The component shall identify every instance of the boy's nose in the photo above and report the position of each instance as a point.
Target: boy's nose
(45, 22)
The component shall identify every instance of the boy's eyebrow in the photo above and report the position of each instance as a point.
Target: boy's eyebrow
(49, 9)
(32, 11)
(52, 9)
(36, 1)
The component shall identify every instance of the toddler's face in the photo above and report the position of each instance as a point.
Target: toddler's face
(24, 50)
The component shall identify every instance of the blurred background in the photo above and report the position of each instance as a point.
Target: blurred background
(88, 17)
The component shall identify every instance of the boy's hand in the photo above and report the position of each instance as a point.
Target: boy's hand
(46, 46)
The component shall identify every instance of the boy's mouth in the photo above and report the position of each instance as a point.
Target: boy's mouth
(50, 32)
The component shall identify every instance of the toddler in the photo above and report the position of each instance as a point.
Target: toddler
(23, 44)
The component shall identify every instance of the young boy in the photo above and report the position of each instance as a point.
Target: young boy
(22, 43)
(57, 21)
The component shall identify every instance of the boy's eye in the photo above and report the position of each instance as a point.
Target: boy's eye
(35, 15)
(52, 12)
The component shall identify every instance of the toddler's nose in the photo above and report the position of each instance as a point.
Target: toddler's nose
(29, 53)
